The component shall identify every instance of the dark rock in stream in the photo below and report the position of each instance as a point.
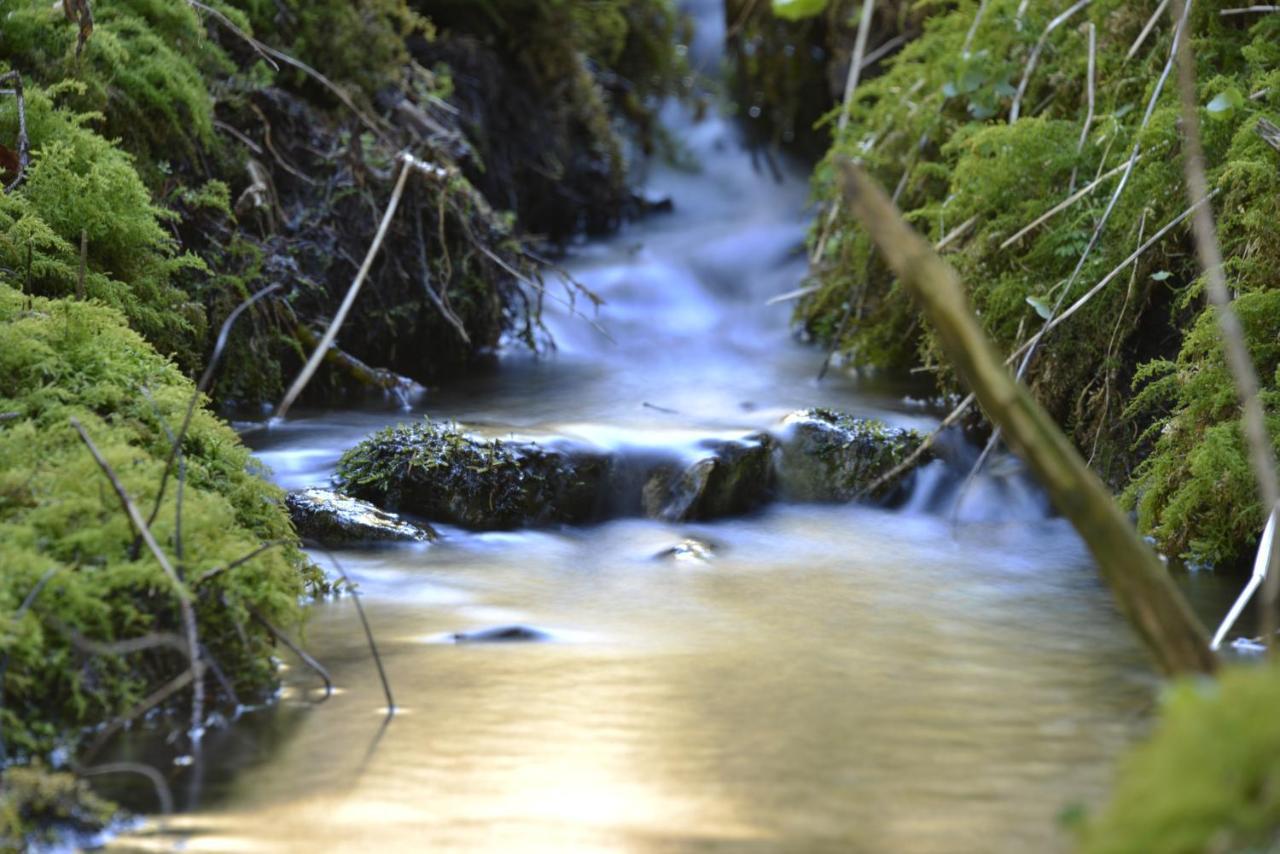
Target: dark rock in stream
(334, 519)
(437, 471)
(734, 478)
(830, 456)
(502, 634)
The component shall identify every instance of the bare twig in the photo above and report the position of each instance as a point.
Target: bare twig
(1261, 453)
(202, 386)
(257, 46)
(1063, 205)
(1142, 36)
(846, 105)
(368, 632)
(1249, 10)
(24, 142)
(173, 686)
(1092, 32)
(153, 640)
(973, 29)
(184, 597)
(238, 562)
(1035, 55)
(408, 163)
(163, 794)
(302, 654)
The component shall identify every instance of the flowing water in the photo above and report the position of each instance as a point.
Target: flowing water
(828, 678)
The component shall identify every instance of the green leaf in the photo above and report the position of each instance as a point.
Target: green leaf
(1161, 276)
(1042, 308)
(795, 10)
(1225, 103)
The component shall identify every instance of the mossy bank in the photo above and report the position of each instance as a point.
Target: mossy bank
(184, 157)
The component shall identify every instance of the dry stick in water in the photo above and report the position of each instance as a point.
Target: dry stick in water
(850, 86)
(408, 163)
(302, 654)
(184, 598)
(1035, 55)
(368, 632)
(1261, 455)
(24, 142)
(1142, 587)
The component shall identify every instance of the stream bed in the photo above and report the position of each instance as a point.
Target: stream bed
(806, 678)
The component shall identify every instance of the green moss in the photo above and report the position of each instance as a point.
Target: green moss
(934, 124)
(1209, 777)
(61, 359)
(41, 808)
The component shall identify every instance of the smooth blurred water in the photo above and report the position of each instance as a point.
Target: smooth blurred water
(831, 678)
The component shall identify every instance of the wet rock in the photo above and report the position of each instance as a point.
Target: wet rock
(734, 478)
(503, 634)
(829, 456)
(336, 519)
(690, 550)
(439, 472)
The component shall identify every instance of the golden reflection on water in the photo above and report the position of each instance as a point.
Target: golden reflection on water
(834, 679)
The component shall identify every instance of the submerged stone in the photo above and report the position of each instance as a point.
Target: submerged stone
(336, 519)
(502, 634)
(689, 550)
(823, 455)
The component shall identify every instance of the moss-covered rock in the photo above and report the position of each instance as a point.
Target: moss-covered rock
(1208, 779)
(70, 557)
(830, 456)
(437, 471)
(40, 808)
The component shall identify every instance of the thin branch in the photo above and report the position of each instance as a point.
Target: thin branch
(302, 654)
(184, 597)
(1249, 10)
(1090, 78)
(238, 562)
(163, 794)
(1142, 36)
(148, 703)
(1035, 54)
(368, 632)
(1258, 440)
(206, 379)
(973, 29)
(408, 163)
(257, 46)
(1064, 204)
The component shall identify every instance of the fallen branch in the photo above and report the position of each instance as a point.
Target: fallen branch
(1064, 204)
(1270, 133)
(163, 794)
(1249, 10)
(209, 575)
(148, 703)
(1143, 589)
(1090, 79)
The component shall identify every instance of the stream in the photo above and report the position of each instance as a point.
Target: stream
(809, 678)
